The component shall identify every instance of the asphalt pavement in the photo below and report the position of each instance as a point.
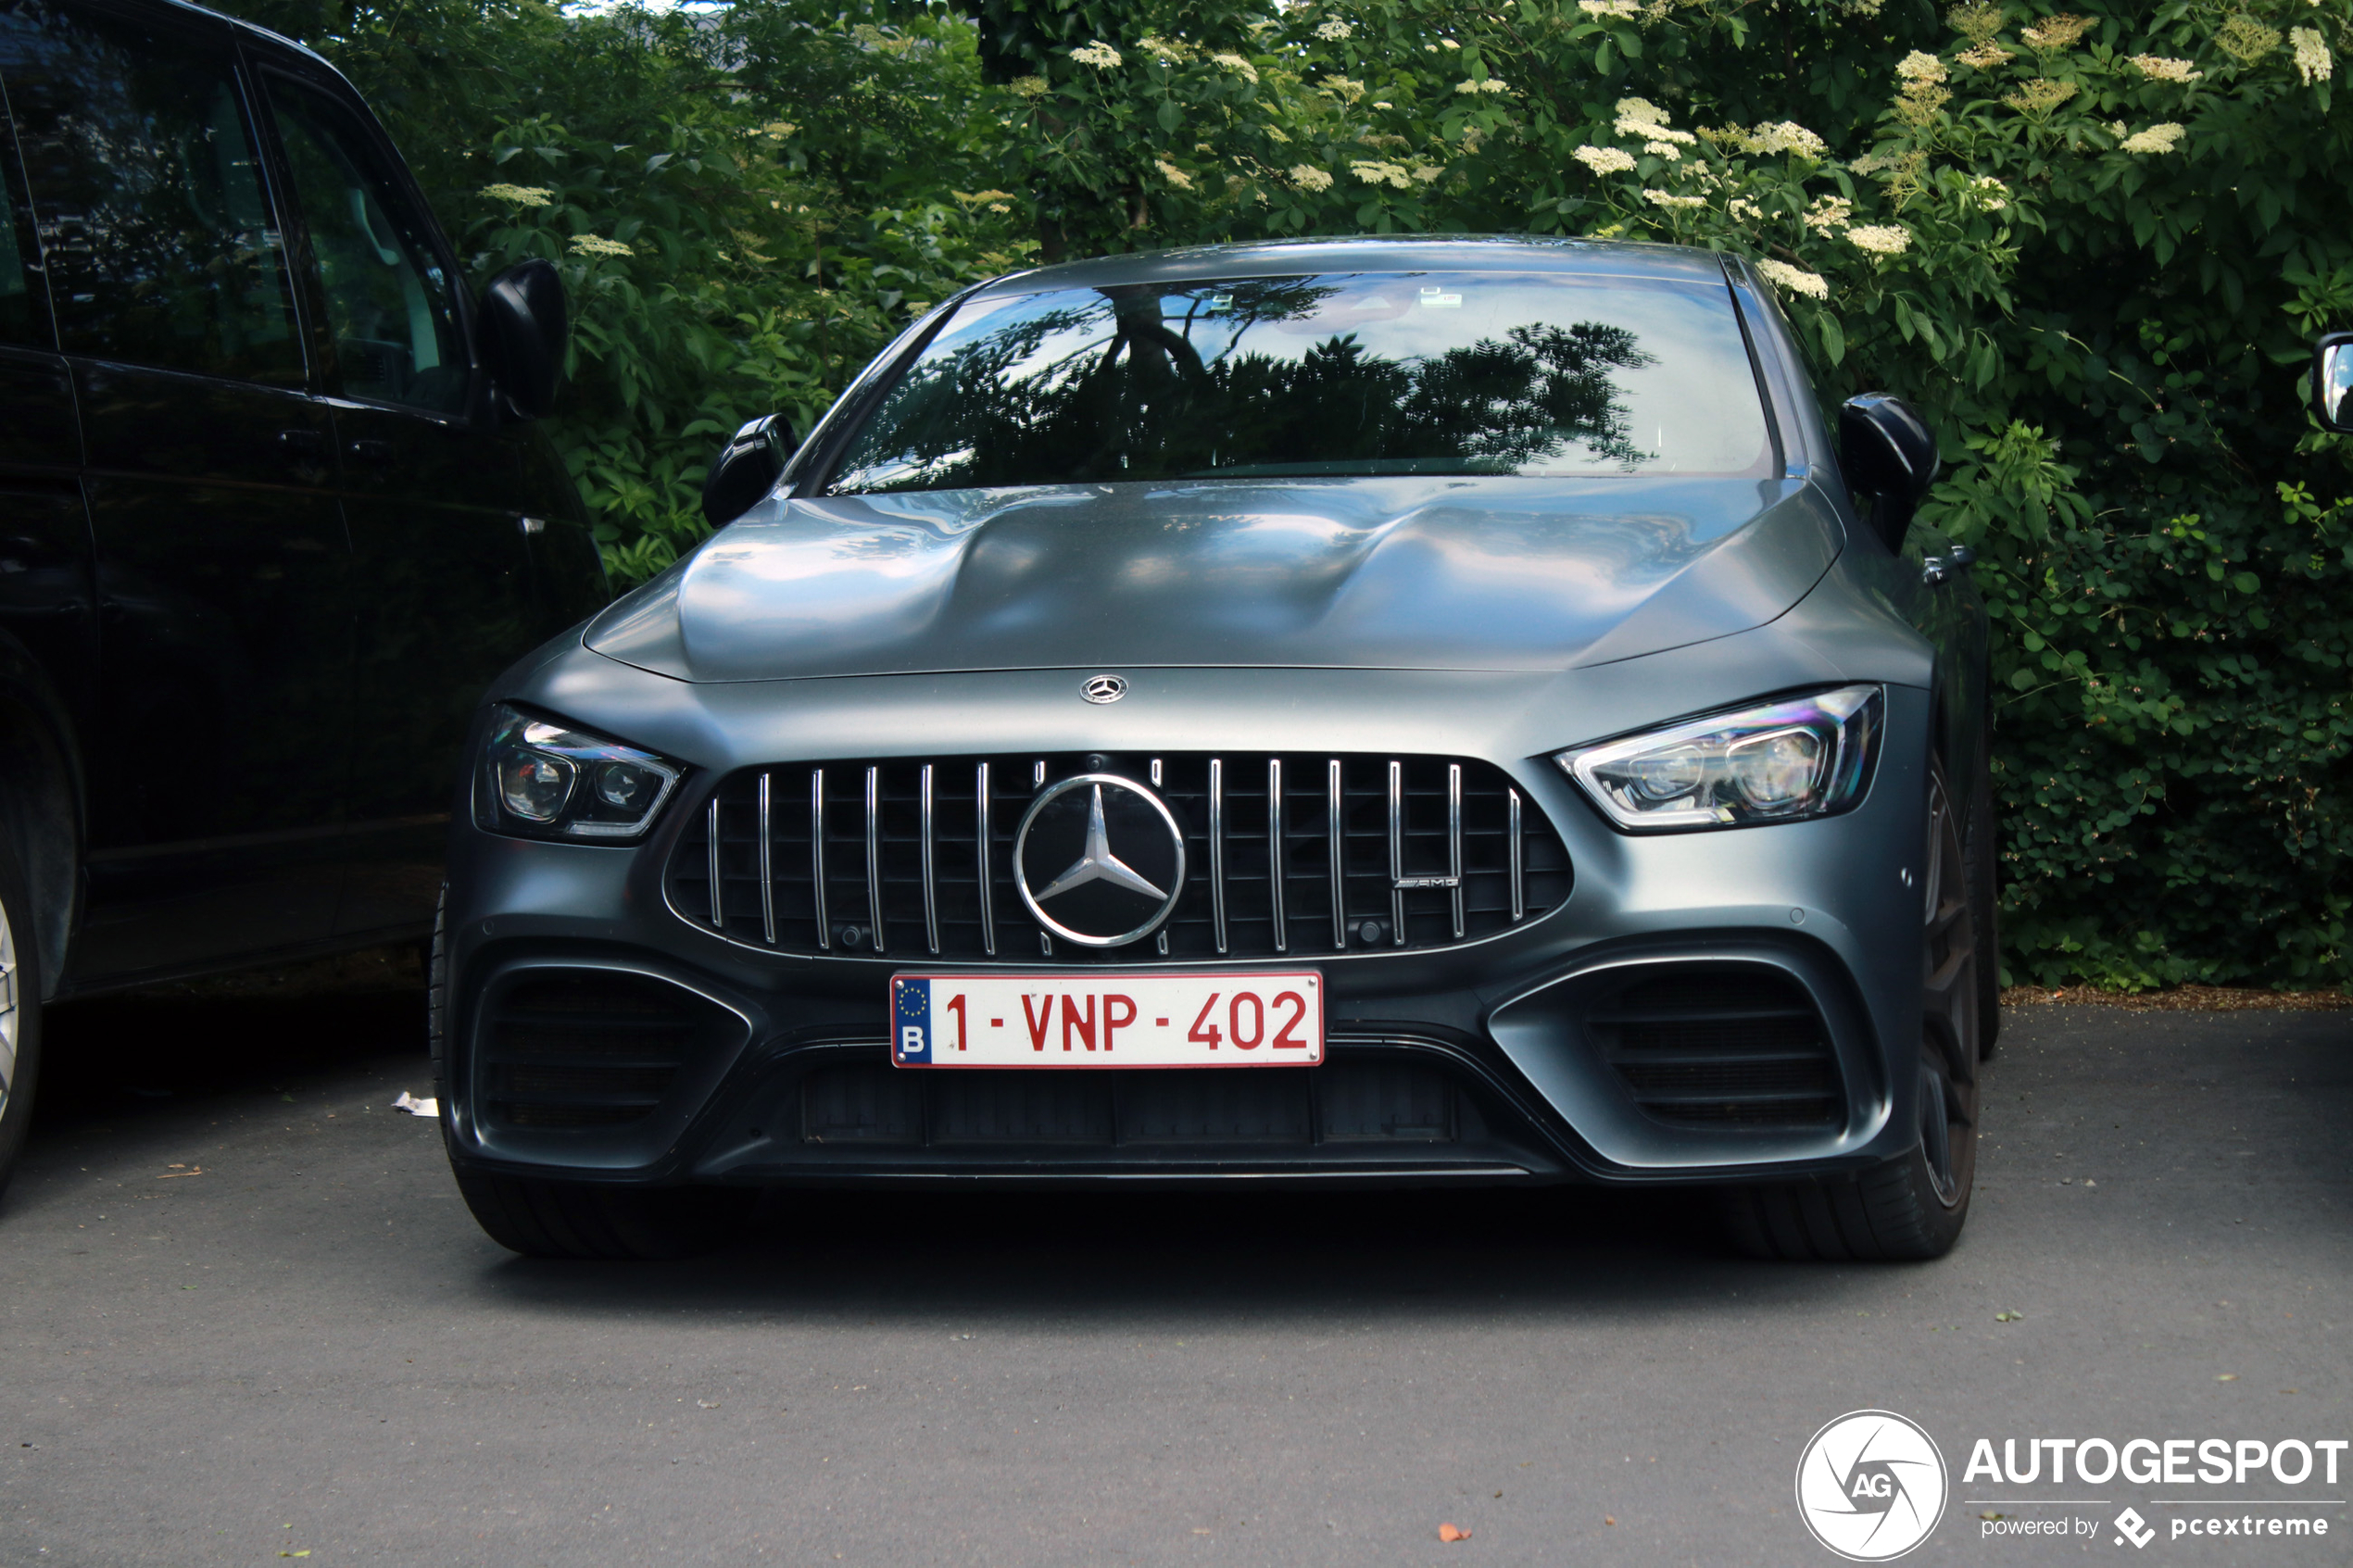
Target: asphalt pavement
(246, 1318)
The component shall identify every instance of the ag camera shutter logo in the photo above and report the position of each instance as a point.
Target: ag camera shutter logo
(1871, 1486)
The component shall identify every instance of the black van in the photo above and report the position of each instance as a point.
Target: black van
(271, 514)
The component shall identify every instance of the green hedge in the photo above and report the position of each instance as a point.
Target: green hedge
(2092, 246)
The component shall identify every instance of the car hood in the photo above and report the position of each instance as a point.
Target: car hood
(1419, 573)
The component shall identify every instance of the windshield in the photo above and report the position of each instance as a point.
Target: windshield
(1345, 373)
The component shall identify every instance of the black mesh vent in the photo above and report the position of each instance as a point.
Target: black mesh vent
(1347, 1103)
(1723, 1046)
(1478, 855)
(587, 1048)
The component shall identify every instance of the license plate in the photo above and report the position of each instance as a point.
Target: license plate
(1107, 1020)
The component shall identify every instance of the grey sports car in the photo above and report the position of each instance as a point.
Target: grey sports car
(1363, 711)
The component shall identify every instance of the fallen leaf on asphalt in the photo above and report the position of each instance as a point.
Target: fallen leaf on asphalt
(1608, 1519)
(2008, 1317)
(175, 1173)
(1448, 1532)
(2226, 1377)
(707, 1404)
(1499, 1494)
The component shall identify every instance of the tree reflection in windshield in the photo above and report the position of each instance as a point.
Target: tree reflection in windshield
(1366, 374)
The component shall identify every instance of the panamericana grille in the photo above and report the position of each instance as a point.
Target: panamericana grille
(1285, 856)
(1723, 1046)
(586, 1047)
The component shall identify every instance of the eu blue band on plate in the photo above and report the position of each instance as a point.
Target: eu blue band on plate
(910, 1013)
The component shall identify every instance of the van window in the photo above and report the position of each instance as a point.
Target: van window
(155, 224)
(388, 297)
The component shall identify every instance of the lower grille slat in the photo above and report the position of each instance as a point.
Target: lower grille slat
(1404, 852)
(1723, 1046)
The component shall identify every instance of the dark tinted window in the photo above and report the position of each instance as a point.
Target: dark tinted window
(388, 297)
(24, 316)
(1365, 373)
(154, 224)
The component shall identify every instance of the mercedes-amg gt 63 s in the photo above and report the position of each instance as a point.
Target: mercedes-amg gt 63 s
(1362, 712)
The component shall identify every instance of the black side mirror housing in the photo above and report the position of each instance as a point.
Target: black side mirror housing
(520, 330)
(1889, 454)
(2332, 381)
(747, 469)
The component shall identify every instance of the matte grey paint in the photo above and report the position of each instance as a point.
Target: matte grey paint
(1330, 616)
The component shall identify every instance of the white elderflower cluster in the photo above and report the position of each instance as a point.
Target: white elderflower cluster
(1307, 177)
(1172, 174)
(1828, 213)
(1920, 69)
(521, 196)
(1668, 198)
(1381, 174)
(1663, 149)
(1160, 49)
(1786, 136)
(1334, 30)
(2312, 60)
(2155, 139)
(1029, 86)
(1639, 117)
(1345, 88)
(1624, 10)
(1745, 210)
(1488, 85)
(1238, 66)
(595, 245)
(1604, 160)
(1989, 194)
(1795, 279)
(1880, 239)
(2158, 67)
(1985, 56)
(1100, 55)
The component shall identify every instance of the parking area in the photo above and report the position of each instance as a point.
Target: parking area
(246, 1317)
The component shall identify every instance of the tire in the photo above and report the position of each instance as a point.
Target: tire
(1982, 846)
(19, 1010)
(1911, 1207)
(574, 1219)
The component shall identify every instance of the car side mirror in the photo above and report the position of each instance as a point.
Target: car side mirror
(747, 469)
(2332, 381)
(520, 330)
(1890, 453)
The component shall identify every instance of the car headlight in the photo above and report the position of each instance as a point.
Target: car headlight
(1776, 762)
(541, 780)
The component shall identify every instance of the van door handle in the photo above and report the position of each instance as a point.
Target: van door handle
(370, 450)
(305, 446)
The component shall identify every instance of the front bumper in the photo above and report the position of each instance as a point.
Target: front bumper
(1507, 1059)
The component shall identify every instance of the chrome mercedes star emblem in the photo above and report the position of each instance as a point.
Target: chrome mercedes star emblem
(1098, 864)
(1104, 688)
(1063, 855)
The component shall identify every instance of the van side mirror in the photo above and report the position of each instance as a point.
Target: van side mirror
(2332, 381)
(1890, 453)
(747, 469)
(520, 330)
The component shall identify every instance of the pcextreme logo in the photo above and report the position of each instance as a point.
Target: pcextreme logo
(1871, 1486)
